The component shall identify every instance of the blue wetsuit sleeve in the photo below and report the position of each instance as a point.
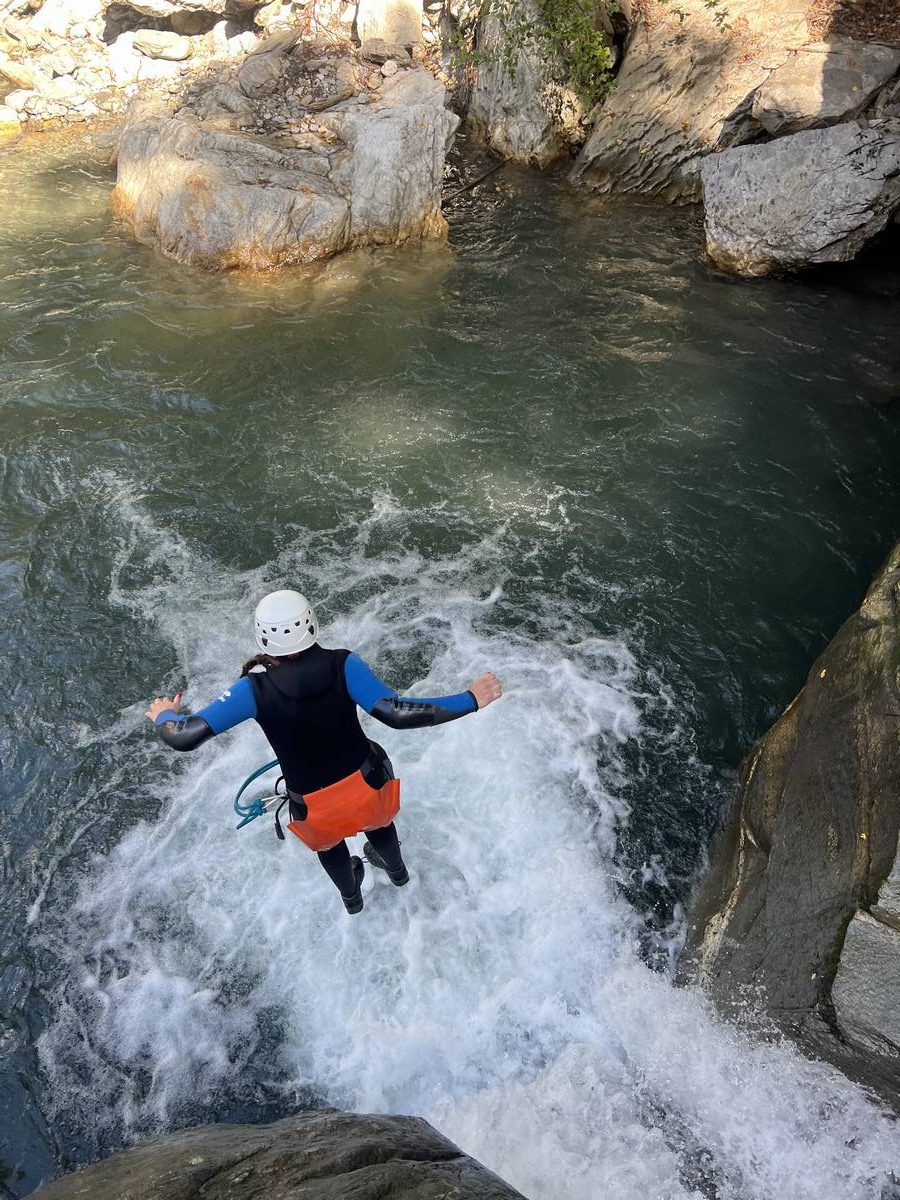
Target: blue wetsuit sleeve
(400, 712)
(181, 732)
(236, 704)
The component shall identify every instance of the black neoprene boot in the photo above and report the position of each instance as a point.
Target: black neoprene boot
(398, 878)
(354, 903)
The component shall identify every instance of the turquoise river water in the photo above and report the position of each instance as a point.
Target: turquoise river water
(561, 447)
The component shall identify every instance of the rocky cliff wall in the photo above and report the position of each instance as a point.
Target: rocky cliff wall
(798, 916)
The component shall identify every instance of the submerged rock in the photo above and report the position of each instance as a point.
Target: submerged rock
(326, 1155)
(823, 84)
(812, 197)
(811, 839)
(686, 90)
(223, 184)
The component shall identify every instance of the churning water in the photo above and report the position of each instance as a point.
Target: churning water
(561, 449)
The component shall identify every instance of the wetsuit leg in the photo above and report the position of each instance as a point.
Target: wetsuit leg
(386, 842)
(336, 862)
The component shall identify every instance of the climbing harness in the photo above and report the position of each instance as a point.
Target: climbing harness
(261, 804)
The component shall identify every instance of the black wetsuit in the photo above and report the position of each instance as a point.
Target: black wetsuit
(307, 708)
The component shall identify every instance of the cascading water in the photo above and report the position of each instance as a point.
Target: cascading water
(582, 468)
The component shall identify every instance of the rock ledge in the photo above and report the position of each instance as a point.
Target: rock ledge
(327, 1155)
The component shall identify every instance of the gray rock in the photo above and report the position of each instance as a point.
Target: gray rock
(824, 83)
(526, 112)
(10, 126)
(378, 51)
(322, 1155)
(813, 831)
(396, 21)
(61, 62)
(281, 41)
(887, 102)
(191, 24)
(261, 75)
(65, 91)
(159, 43)
(684, 91)
(813, 197)
(223, 200)
(18, 99)
(20, 73)
(59, 16)
(888, 904)
(866, 990)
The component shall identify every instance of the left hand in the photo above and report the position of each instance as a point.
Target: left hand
(160, 705)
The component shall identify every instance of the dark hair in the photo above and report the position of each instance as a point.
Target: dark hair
(258, 660)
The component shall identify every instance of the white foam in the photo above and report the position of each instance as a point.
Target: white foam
(501, 994)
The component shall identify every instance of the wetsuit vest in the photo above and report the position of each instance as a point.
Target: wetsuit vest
(306, 712)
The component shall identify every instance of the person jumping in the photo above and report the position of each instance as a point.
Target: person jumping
(305, 697)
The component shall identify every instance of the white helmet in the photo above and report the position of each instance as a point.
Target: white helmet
(285, 624)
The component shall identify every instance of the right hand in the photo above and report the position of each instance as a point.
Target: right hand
(486, 689)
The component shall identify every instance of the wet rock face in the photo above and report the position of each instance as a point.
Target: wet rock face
(812, 197)
(326, 1155)
(811, 839)
(290, 159)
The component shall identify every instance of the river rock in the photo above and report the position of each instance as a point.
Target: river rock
(811, 838)
(685, 90)
(396, 21)
(20, 73)
(261, 75)
(226, 199)
(824, 83)
(60, 16)
(524, 110)
(16, 101)
(159, 43)
(378, 51)
(10, 125)
(812, 197)
(321, 1155)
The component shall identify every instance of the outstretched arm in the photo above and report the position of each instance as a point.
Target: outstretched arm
(399, 712)
(183, 732)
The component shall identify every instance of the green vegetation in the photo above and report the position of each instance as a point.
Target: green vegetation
(575, 33)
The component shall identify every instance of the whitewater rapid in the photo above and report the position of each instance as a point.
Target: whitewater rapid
(502, 994)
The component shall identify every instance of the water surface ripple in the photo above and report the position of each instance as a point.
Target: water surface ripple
(561, 447)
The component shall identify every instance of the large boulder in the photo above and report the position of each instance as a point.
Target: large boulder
(220, 197)
(811, 839)
(685, 90)
(824, 83)
(396, 21)
(812, 197)
(326, 1155)
(523, 108)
